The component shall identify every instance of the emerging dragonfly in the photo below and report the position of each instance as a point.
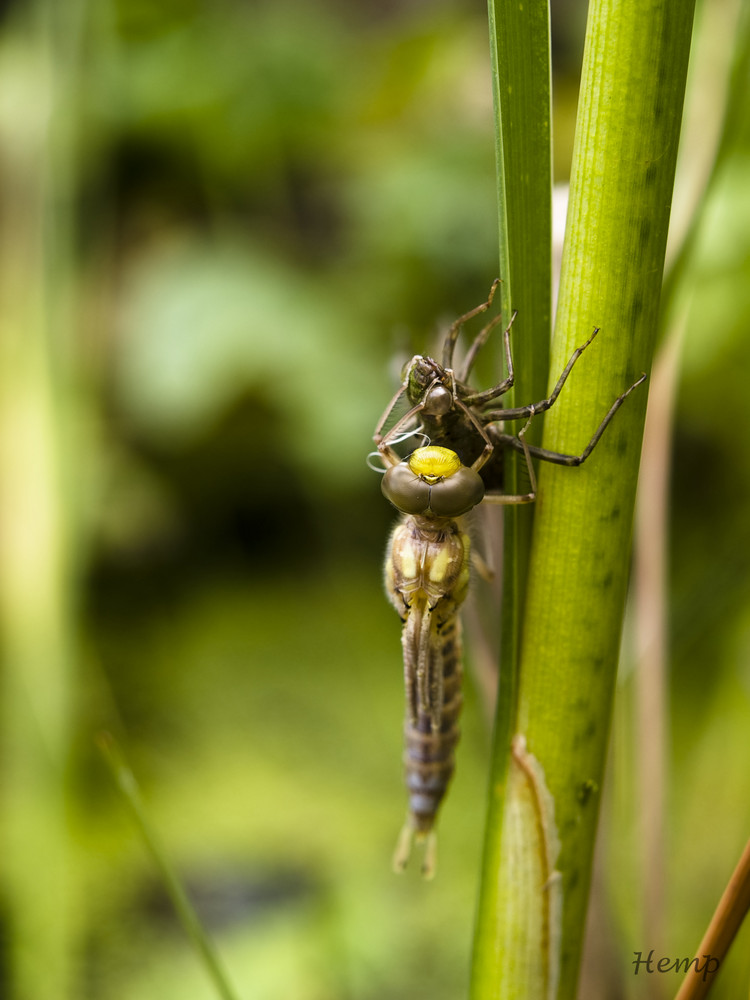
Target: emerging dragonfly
(445, 410)
(428, 559)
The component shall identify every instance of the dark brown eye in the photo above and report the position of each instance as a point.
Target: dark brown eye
(457, 494)
(433, 481)
(438, 401)
(406, 491)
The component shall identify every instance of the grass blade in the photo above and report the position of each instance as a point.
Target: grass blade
(128, 786)
(520, 57)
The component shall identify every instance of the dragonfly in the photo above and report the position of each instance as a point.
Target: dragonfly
(444, 409)
(429, 556)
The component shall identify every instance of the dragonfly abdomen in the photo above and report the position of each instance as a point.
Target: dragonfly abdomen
(429, 759)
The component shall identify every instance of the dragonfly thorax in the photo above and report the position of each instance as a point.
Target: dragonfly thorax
(433, 482)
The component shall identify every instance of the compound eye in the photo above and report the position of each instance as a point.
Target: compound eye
(410, 367)
(406, 491)
(457, 494)
(439, 401)
(433, 481)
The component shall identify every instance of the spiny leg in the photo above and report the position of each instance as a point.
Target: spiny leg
(519, 412)
(519, 443)
(449, 345)
(448, 349)
(384, 441)
(558, 458)
(471, 354)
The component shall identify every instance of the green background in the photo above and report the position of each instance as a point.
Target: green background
(270, 206)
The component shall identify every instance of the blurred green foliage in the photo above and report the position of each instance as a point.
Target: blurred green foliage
(271, 204)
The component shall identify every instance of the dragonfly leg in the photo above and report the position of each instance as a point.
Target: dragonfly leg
(449, 344)
(489, 445)
(519, 412)
(487, 395)
(480, 565)
(519, 443)
(556, 457)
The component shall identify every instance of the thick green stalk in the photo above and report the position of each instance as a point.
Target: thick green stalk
(538, 864)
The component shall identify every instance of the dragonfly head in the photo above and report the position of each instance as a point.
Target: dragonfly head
(427, 382)
(434, 483)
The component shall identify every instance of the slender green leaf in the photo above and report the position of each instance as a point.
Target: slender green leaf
(519, 48)
(128, 786)
(520, 54)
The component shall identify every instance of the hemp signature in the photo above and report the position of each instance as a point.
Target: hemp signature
(666, 964)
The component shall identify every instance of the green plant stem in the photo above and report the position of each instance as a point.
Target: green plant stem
(519, 51)
(531, 924)
(38, 514)
(128, 786)
(520, 60)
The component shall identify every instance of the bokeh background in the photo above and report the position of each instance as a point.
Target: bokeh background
(223, 226)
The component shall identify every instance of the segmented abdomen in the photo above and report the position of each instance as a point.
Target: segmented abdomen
(427, 578)
(428, 753)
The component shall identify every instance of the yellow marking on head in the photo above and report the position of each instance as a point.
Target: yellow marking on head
(433, 463)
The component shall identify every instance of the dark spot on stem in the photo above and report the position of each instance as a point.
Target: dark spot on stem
(586, 790)
(590, 731)
(636, 307)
